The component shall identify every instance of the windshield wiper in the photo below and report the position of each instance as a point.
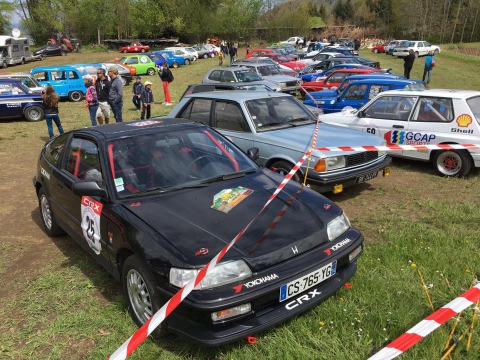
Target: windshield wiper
(301, 119)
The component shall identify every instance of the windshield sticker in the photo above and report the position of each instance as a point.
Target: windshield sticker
(146, 123)
(119, 184)
(91, 211)
(227, 199)
(408, 138)
(464, 120)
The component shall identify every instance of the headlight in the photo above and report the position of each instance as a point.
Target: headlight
(329, 163)
(337, 227)
(282, 85)
(223, 273)
(382, 152)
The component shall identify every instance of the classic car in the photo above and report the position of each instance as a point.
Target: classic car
(423, 118)
(157, 58)
(281, 127)
(173, 61)
(237, 74)
(335, 79)
(319, 68)
(50, 50)
(285, 61)
(196, 88)
(261, 52)
(105, 186)
(391, 46)
(266, 60)
(323, 74)
(180, 51)
(379, 48)
(66, 80)
(27, 80)
(124, 71)
(359, 92)
(17, 100)
(142, 63)
(420, 48)
(203, 52)
(134, 47)
(294, 40)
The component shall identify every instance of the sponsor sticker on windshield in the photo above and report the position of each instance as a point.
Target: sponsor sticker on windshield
(227, 199)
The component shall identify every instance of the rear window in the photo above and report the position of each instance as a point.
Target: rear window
(474, 105)
(247, 76)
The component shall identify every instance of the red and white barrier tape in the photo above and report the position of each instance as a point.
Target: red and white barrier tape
(151, 324)
(425, 327)
(398, 147)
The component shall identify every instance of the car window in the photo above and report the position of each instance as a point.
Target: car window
(131, 61)
(10, 89)
(197, 110)
(58, 75)
(82, 160)
(215, 75)
(228, 116)
(433, 110)
(355, 92)
(73, 75)
(336, 78)
(391, 108)
(377, 89)
(227, 76)
(41, 76)
(474, 104)
(247, 76)
(54, 150)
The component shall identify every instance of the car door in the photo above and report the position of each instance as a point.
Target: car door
(84, 216)
(59, 81)
(229, 119)
(354, 96)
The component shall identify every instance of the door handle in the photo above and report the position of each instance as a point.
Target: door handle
(398, 126)
(60, 185)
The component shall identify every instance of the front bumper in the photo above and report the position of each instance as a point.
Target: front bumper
(192, 318)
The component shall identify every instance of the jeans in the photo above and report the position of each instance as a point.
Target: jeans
(117, 111)
(54, 117)
(93, 113)
(137, 101)
(232, 59)
(406, 72)
(427, 70)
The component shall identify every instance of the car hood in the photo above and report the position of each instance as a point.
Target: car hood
(280, 78)
(185, 218)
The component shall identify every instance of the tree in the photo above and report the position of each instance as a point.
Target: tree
(5, 9)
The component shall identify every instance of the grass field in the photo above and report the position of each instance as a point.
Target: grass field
(58, 304)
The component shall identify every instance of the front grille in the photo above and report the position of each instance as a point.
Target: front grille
(361, 158)
(291, 83)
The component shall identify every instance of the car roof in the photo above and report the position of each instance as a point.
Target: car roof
(232, 68)
(241, 95)
(54, 67)
(19, 74)
(449, 93)
(11, 80)
(380, 80)
(356, 70)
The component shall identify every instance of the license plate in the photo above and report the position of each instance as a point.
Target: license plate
(366, 177)
(306, 282)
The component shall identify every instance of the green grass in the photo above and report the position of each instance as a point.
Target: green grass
(72, 309)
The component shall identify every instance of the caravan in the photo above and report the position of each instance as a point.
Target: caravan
(14, 51)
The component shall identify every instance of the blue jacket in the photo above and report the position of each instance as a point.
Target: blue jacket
(428, 61)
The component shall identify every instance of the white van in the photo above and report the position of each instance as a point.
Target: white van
(15, 50)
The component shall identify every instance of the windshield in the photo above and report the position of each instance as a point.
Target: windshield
(272, 113)
(269, 70)
(122, 60)
(247, 76)
(168, 161)
(416, 86)
(474, 105)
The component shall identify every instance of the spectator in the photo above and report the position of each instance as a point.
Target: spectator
(408, 63)
(91, 99)
(220, 58)
(166, 77)
(248, 48)
(147, 99)
(357, 44)
(137, 92)
(102, 87)
(50, 103)
(115, 96)
(318, 45)
(233, 52)
(429, 64)
(333, 40)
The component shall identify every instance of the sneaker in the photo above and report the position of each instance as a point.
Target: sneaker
(168, 104)
(164, 103)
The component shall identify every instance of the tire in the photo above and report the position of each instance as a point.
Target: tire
(63, 53)
(205, 56)
(451, 163)
(122, 79)
(187, 62)
(34, 113)
(143, 50)
(151, 71)
(283, 168)
(23, 61)
(416, 54)
(125, 51)
(175, 65)
(435, 52)
(375, 51)
(64, 47)
(212, 55)
(75, 96)
(48, 217)
(140, 293)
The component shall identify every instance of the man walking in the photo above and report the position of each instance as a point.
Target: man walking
(102, 86)
(116, 94)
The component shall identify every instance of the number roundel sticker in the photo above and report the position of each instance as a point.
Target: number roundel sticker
(91, 211)
(372, 129)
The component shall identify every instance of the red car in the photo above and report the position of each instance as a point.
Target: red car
(261, 52)
(285, 61)
(335, 79)
(134, 48)
(379, 48)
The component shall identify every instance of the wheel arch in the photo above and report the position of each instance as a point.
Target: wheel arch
(122, 255)
(282, 158)
(433, 152)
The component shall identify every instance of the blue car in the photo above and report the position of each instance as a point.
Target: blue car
(359, 92)
(17, 100)
(326, 72)
(66, 80)
(157, 58)
(172, 60)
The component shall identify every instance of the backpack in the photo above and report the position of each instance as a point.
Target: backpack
(170, 77)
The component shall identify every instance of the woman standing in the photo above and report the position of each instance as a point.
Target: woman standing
(408, 63)
(50, 103)
(91, 100)
(429, 64)
(166, 77)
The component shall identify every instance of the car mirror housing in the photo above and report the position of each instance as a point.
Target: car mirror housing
(88, 188)
(253, 153)
(361, 114)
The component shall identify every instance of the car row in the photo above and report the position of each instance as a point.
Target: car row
(18, 101)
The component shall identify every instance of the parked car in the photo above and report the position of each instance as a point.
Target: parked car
(157, 58)
(116, 179)
(266, 60)
(420, 48)
(213, 48)
(89, 70)
(311, 58)
(124, 71)
(320, 67)
(197, 88)
(368, 62)
(285, 61)
(359, 92)
(17, 101)
(135, 47)
(379, 48)
(294, 40)
(173, 61)
(259, 52)
(237, 75)
(27, 80)
(142, 63)
(281, 127)
(391, 46)
(288, 84)
(50, 50)
(179, 51)
(319, 75)
(335, 79)
(66, 80)
(427, 117)
(203, 52)
(340, 49)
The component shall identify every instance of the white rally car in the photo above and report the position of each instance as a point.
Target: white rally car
(421, 118)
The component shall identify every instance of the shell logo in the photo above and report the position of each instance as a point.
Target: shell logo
(464, 120)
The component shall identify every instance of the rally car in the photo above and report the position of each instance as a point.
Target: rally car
(154, 201)
(134, 48)
(17, 100)
(428, 117)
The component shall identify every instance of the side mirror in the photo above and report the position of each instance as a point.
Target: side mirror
(361, 114)
(339, 98)
(253, 153)
(88, 188)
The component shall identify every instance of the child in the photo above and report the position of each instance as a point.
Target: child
(50, 103)
(137, 92)
(91, 100)
(220, 58)
(147, 99)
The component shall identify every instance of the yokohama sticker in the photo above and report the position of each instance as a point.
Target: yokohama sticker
(255, 282)
(91, 211)
(337, 246)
